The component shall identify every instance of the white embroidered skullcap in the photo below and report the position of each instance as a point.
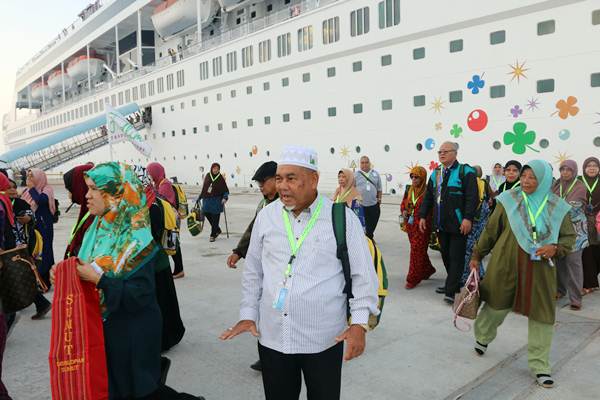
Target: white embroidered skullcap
(299, 156)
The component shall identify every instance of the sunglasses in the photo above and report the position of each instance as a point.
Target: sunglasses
(413, 176)
(442, 152)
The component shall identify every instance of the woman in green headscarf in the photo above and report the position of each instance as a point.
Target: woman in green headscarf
(118, 255)
(529, 227)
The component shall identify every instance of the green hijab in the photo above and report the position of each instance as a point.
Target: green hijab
(119, 241)
(550, 220)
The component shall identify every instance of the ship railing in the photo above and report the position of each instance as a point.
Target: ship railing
(294, 10)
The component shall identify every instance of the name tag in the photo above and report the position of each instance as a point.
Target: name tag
(532, 255)
(279, 301)
(411, 219)
(368, 187)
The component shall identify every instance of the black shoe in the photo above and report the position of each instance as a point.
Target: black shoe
(257, 366)
(42, 313)
(449, 300)
(440, 290)
(165, 364)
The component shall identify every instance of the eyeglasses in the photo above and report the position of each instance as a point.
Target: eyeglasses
(413, 176)
(443, 152)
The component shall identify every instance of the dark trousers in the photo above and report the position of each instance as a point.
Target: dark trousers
(282, 373)
(372, 214)
(40, 302)
(178, 260)
(453, 248)
(213, 219)
(3, 391)
(591, 266)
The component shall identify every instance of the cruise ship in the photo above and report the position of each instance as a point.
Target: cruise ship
(233, 81)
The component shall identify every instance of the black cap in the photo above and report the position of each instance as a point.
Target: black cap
(265, 171)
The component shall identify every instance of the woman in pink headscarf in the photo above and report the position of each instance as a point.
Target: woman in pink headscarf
(40, 197)
(164, 188)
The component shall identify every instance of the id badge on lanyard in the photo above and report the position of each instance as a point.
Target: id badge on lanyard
(279, 301)
(532, 253)
(209, 190)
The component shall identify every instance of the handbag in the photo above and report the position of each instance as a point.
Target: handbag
(20, 281)
(467, 301)
(195, 219)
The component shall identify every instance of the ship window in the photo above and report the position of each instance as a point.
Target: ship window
(419, 53)
(134, 93)
(220, 126)
(173, 133)
(203, 71)
(113, 100)
(151, 88)
(100, 106)
(595, 79)
(386, 60)
(305, 38)
(96, 104)
(264, 51)
(285, 82)
(193, 102)
(389, 13)
(170, 82)
(359, 21)
(206, 128)
(266, 86)
(456, 46)
(330, 72)
(269, 7)
(182, 105)
(120, 99)
(195, 130)
(164, 135)
(233, 124)
(497, 91)
(419, 101)
(545, 86)
(386, 104)
(307, 114)
(306, 77)
(181, 78)
(219, 97)
(497, 37)
(284, 45)
(163, 110)
(231, 61)
(172, 107)
(357, 108)
(331, 111)
(286, 117)
(205, 99)
(596, 17)
(546, 27)
(247, 57)
(357, 66)
(160, 85)
(456, 96)
(127, 96)
(248, 89)
(233, 94)
(217, 65)
(143, 90)
(331, 30)
(183, 132)
(250, 122)
(267, 120)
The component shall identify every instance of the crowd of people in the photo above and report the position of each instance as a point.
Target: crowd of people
(531, 238)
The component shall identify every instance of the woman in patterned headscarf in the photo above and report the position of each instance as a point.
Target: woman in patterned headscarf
(591, 254)
(118, 255)
(420, 267)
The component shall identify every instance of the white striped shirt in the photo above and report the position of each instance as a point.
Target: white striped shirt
(314, 312)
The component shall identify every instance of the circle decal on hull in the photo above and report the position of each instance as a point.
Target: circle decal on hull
(430, 144)
(477, 120)
(564, 134)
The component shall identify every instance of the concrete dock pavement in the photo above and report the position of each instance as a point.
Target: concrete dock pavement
(415, 353)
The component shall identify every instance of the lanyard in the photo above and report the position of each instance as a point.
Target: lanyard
(590, 189)
(295, 245)
(215, 178)
(341, 197)
(533, 218)
(75, 229)
(412, 195)
(568, 190)
(497, 182)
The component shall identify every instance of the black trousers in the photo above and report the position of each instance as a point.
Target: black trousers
(453, 248)
(178, 260)
(282, 373)
(372, 214)
(591, 266)
(213, 219)
(41, 302)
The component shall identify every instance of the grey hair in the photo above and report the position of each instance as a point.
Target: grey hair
(454, 145)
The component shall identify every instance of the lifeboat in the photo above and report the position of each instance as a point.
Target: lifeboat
(173, 16)
(55, 80)
(38, 90)
(78, 67)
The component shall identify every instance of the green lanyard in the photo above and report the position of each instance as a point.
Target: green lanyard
(533, 218)
(75, 229)
(496, 182)
(590, 189)
(341, 197)
(215, 178)
(568, 190)
(295, 245)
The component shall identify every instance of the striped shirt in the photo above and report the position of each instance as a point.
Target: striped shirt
(314, 312)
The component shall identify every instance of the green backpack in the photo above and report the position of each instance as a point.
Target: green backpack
(338, 212)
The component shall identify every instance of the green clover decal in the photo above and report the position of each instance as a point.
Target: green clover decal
(456, 130)
(520, 138)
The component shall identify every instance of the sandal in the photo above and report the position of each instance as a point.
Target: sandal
(545, 381)
(576, 307)
(480, 349)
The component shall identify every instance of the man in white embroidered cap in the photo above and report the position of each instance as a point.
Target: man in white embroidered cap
(294, 288)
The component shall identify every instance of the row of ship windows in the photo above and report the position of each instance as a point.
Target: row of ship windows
(389, 15)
